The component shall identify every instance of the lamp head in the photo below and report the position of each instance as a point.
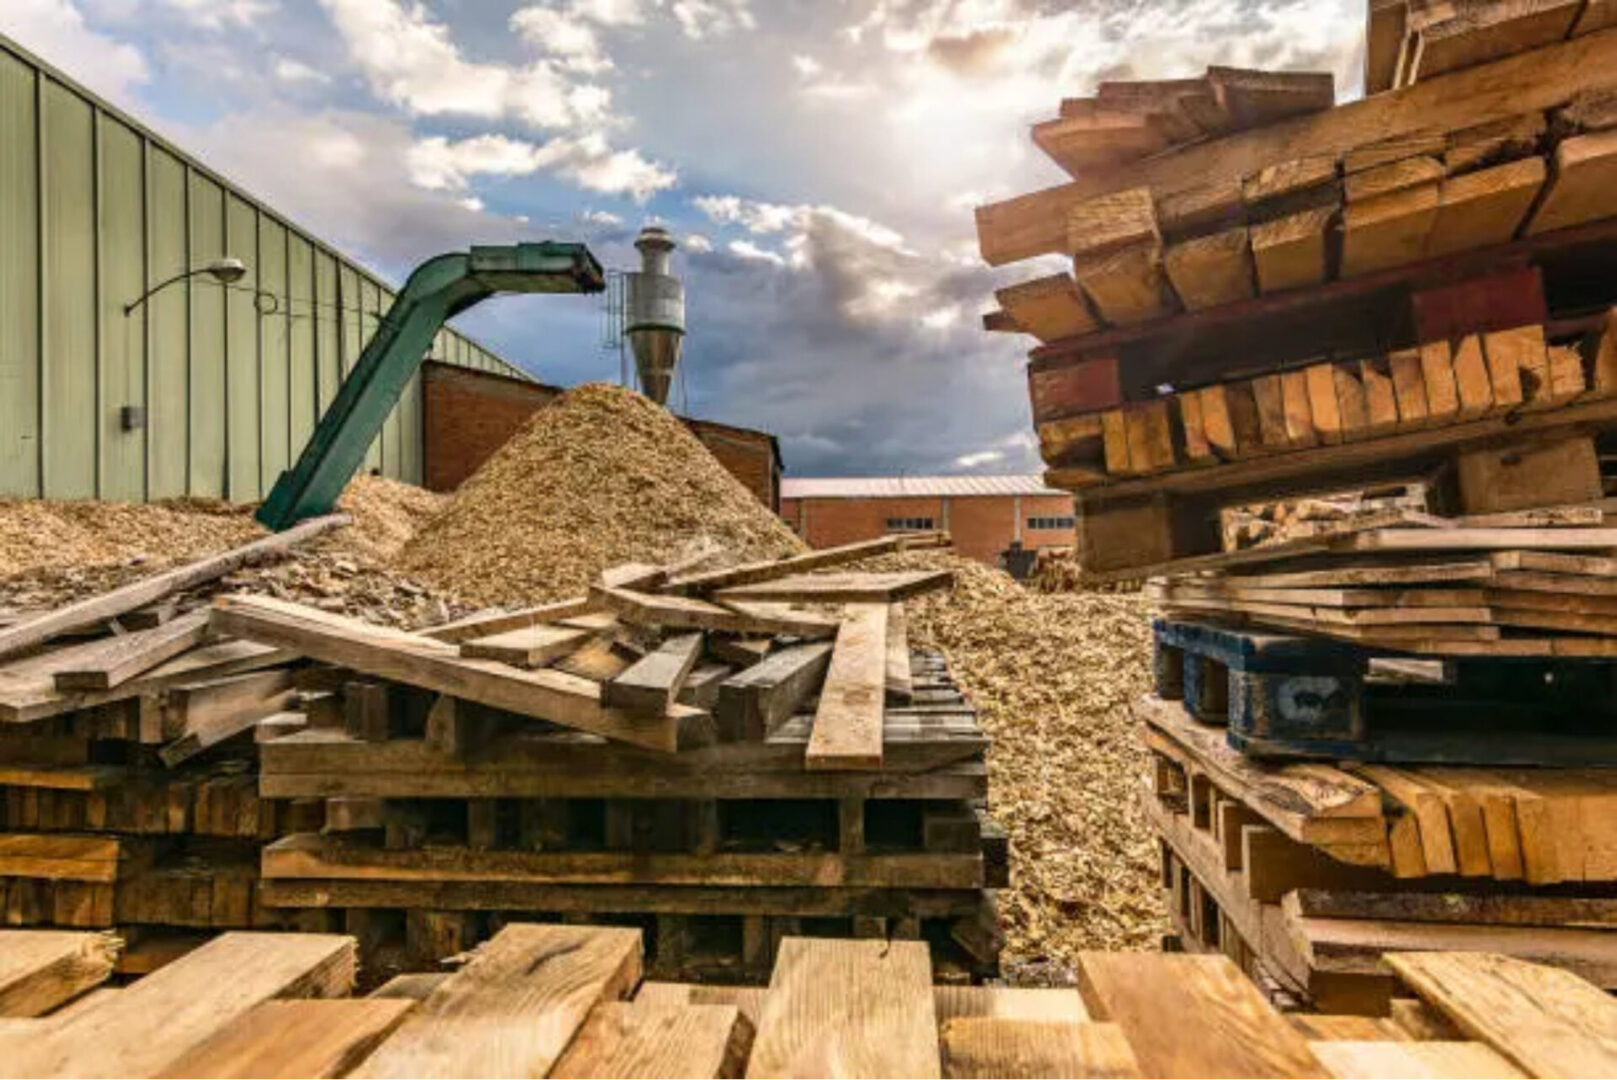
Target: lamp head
(227, 270)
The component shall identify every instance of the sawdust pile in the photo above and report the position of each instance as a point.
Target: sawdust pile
(1052, 675)
(387, 514)
(600, 476)
(38, 535)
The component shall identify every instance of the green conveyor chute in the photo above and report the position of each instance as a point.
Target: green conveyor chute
(437, 291)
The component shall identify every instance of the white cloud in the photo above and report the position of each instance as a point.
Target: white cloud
(565, 35)
(611, 12)
(712, 18)
(217, 14)
(472, 203)
(807, 66)
(761, 218)
(440, 165)
(600, 217)
(981, 457)
(55, 29)
(746, 249)
(941, 318)
(289, 70)
(412, 62)
(698, 243)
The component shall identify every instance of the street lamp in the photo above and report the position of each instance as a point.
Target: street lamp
(226, 270)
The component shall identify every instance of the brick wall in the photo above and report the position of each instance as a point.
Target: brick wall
(467, 415)
(982, 525)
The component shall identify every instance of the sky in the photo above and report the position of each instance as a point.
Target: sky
(816, 160)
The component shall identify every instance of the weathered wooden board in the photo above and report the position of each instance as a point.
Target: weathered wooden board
(848, 723)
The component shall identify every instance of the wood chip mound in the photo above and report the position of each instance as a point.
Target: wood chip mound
(1052, 676)
(43, 535)
(387, 514)
(600, 476)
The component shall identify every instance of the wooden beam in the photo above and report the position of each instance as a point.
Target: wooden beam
(1127, 285)
(1109, 222)
(512, 1010)
(651, 683)
(1035, 224)
(120, 659)
(528, 647)
(848, 723)
(294, 1038)
(1387, 230)
(41, 628)
(432, 665)
(622, 1039)
(685, 613)
(844, 588)
(748, 573)
(1207, 271)
(201, 715)
(1291, 252)
(900, 686)
(757, 700)
(487, 624)
(42, 969)
(1580, 187)
(988, 1046)
(1486, 207)
(1050, 308)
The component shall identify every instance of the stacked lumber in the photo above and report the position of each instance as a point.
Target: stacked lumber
(718, 754)
(1410, 40)
(128, 769)
(566, 1001)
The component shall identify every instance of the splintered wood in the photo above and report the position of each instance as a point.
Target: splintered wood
(568, 1001)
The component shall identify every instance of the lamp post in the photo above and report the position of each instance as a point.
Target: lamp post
(226, 271)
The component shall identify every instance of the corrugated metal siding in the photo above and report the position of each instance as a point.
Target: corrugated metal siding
(95, 209)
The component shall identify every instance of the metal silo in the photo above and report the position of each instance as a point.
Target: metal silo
(654, 314)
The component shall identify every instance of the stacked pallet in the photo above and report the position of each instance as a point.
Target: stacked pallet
(563, 1001)
(128, 772)
(725, 756)
(1379, 287)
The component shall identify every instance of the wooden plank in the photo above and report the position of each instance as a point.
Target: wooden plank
(1035, 223)
(1580, 184)
(843, 588)
(1486, 207)
(512, 1010)
(1116, 220)
(42, 969)
(1268, 395)
(1324, 406)
(1400, 175)
(646, 1039)
(432, 665)
(1374, 1060)
(294, 1039)
(1126, 286)
(880, 1022)
(68, 856)
(1380, 397)
(1255, 98)
(992, 1047)
(685, 613)
(1473, 379)
(1448, 39)
(120, 659)
(528, 647)
(97, 609)
(1387, 230)
(1442, 386)
(1207, 271)
(1291, 252)
(1516, 364)
(757, 700)
(201, 715)
(1548, 1021)
(488, 624)
(1280, 183)
(748, 573)
(1061, 1005)
(1299, 411)
(1531, 475)
(1091, 135)
(194, 996)
(1192, 1016)
(651, 684)
(848, 722)
(1409, 386)
(900, 685)
(1050, 308)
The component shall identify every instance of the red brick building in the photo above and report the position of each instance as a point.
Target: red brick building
(468, 414)
(984, 514)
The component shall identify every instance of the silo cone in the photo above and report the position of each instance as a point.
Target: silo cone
(654, 314)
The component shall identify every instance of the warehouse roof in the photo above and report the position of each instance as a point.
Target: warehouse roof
(888, 487)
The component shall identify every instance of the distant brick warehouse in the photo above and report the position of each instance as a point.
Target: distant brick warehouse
(467, 415)
(985, 514)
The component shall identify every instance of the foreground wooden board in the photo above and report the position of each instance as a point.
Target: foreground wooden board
(843, 588)
(1373, 1060)
(1192, 1016)
(120, 659)
(293, 1039)
(41, 969)
(848, 1009)
(848, 722)
(433, 665)
(992, 1047)
(657, 1040)
(146, 1027)
(1547, 1021)
(514, 1008)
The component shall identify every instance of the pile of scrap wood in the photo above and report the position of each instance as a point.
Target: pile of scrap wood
(571, 1001)
(720, 753)
(1277, 520)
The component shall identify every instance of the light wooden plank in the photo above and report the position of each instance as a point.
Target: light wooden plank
(649, 1040)
(120, 659)
(1207, 271)
(848, 722)
(758, 699)
(748, 573)
(1192, 1016)
(161, 1016)
(41, 969)
(1379, 1060)
(651, 684)
(529, 646)
(843, 588)
(487, 624)
(1050, 308)
(879, 1021)
(1547, 1021)
(512, 1010)
(685, 613)
(1581, 185)
(1126, 286)
(1291, 252)
(900, 685)
(433, 665)
(1485, 207)
(992, 1047)
(293, 1039)
(1010, 1003)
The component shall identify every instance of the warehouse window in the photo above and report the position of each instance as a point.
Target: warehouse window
(916, 524)
(1051, 522)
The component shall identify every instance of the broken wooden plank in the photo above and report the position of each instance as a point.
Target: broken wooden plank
(528, 647)
(651, 684)
(200, 715)
(120, 659)
(96, 609)
(881, 1021)
(42, 969)
(757, 700)
(293, 1039)
(433, 665)
(848, 723)
(512, 1010)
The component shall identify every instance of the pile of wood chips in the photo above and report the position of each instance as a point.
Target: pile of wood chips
(599, 477)
(1052, 675)
(42, 535)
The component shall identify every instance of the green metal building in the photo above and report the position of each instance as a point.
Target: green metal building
(205, 389)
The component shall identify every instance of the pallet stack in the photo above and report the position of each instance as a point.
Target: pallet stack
(571, 1001)
(723, 757)
(1401, 738)
(128, 771)
(1270, 296)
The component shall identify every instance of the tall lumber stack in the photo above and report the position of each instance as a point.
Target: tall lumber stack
(723, 757)
(1270, 295)
(128, 764)
(574, 1001)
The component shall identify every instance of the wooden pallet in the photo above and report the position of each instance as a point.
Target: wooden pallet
(561, 1001)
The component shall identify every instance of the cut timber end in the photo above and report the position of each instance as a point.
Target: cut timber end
(1581, 188)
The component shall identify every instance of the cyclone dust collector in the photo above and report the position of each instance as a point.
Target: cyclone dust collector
(654, 314)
